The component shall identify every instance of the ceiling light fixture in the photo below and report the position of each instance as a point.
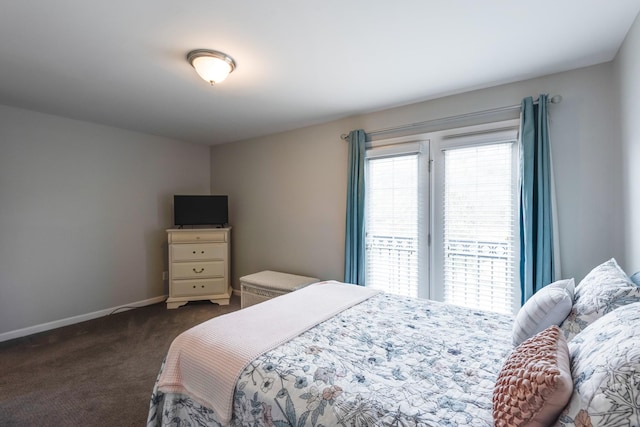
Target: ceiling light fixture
(211, 65)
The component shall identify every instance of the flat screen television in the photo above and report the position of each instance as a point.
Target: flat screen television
(200, 210)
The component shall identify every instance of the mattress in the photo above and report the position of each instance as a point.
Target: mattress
(389, 360)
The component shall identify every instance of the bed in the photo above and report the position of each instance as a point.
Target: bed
(388, 360)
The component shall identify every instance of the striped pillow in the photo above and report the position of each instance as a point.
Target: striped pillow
(549, 306)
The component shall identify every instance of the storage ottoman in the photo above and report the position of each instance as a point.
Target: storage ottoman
(259, 287)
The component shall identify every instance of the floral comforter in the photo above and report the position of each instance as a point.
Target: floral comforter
(388, 361)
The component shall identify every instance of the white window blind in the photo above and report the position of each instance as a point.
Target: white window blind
(479, 226)
(393, 217)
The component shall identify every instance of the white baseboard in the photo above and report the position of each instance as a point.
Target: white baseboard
(5, 336)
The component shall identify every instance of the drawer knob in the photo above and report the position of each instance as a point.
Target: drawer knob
(194, 252)
(198, 271)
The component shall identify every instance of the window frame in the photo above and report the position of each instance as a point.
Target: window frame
(402, 146)
(484, 134)
(432, 230)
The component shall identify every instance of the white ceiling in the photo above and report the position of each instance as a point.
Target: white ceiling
(299, 62)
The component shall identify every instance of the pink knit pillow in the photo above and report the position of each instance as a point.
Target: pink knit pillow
(535, 382)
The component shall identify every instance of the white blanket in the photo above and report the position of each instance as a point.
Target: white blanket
(206, 361)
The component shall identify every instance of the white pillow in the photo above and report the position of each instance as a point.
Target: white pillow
(605, 367)
(549, 306)
(604, 289)
(635, 278)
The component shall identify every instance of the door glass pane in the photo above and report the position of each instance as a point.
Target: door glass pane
(393, 224)
(479, 227)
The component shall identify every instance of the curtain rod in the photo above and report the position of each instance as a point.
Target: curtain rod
(556, 99)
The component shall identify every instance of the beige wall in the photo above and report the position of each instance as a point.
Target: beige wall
(627, 67)
(83, 213)
(286, 201)
(287, 191)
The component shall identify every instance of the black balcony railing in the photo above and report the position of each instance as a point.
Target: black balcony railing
(478, 249)
(392, 264)
(479, 274)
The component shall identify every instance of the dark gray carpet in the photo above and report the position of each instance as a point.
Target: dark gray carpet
(96, 373)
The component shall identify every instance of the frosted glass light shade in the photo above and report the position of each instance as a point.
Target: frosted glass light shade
(211, 65)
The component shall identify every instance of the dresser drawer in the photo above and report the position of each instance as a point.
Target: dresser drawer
(195, 236)
(198, 251)
(197, 270)
(186, 288)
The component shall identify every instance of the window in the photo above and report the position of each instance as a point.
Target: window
(396, 257)
(475, 227)
(479, 221)
(450, 232)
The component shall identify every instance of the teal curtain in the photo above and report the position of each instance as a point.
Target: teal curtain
(536, 215)
(354, 238)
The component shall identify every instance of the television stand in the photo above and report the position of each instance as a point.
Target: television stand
(198, 266)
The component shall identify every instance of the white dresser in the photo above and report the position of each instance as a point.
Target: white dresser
(198, 266)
